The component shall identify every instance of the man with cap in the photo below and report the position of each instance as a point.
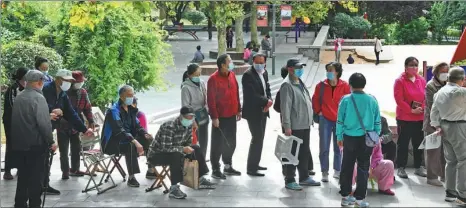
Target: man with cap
(172, 143)
(296, 112)
(31, 139)
(68, 136)
(256, 103)
(10, 96)
(59, 103)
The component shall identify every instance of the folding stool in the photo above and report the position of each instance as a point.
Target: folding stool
(159, 178)
(117, 165)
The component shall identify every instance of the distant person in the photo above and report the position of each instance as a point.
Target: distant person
(247, 52)
(198, 56)
(229, 37)
(338, 45)
(42, 64)
(377, 49)
(266, 46)
(350, 59)
(254, 51)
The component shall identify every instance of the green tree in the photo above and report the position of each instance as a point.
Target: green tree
(253, 24)
(346, 26)
(174, 10)
(402, 12)
(195, 17)
(415, 32)
(224, 12)
(22, 19)
(443, 15)
(316, 11)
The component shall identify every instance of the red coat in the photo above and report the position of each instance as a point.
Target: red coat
(223, 95)
(407, 91)
(331, 99)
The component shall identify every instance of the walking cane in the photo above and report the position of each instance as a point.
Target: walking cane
(44, 192)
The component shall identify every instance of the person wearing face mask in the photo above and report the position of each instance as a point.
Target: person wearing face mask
(296, 112)
(42, 64)
(225, 110)
(171, 144)
(435, 160)
(68, 137)
(13, 90)
(409, 92)
(256, 103)
(194, 95)
(327, 96)
(59, 103)
(121, 132)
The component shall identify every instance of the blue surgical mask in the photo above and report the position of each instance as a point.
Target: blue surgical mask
(259, 67)
(231, 66)
(196, 79)
(186, 122)
(330, 75)
(129, 100)
(46, 72)
(298, 72)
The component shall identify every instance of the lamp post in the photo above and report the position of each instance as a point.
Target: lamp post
(274, 25)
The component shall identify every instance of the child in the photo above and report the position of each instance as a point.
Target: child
(350, 59)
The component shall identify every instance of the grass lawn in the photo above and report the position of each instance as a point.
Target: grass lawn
(389, 113)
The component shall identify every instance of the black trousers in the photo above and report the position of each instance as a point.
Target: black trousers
(310, 165)
(257, 129)
(377, 57)
(223, 141)
(355, 150)
(229, 43)
(175, 161)
(304, 152)
(409, 131)
(131, 158)
(65, 141)
(32, 167)
(389, 151)
(203, 137)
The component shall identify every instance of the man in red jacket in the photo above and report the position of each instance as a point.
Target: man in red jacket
(225, 110)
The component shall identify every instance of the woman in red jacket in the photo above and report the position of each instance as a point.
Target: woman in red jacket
(325, 100)
(409, 91)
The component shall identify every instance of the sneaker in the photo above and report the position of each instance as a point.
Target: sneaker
(231, 171)
(434, 182)
(460, 201)
(65, 176)
(205, 183)
(217, 174)
(402, 173)
(348, 201)
(150, 175)
(309, 182)
(175, 192)
(132, 182)
(293, 186)
(449, 197)
(420, 172)
(52, 191)
(361, 203)
(7, 176)
(387, 192)
(325, 177)
(336, 175)
(77, 173)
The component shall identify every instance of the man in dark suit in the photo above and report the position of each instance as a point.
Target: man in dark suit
(256, 103)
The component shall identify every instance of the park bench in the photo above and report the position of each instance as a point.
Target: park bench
(191, 30)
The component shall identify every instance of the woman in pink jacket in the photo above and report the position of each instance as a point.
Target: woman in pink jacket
(409, 91)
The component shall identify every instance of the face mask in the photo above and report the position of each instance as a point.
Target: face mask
(65, 86)
(129, 101)
(196, 79)
(298, 72)
(443, 77)
(78, 85)
(46, 72)
(259, 67)
(231, 66)
(186, 122)
(330, 75)
(411, 70)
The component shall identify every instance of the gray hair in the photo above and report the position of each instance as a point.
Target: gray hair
(437, 67)
(124, 89)
(456, 74)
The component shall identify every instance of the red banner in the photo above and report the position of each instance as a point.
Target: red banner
(460, 53)
(285, 15)
(262, 15)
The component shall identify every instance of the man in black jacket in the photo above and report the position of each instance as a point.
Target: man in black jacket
(256, 103)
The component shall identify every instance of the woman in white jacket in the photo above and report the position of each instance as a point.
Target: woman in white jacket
(377, 49)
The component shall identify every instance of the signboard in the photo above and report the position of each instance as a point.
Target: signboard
(262, 15)
(285, 16)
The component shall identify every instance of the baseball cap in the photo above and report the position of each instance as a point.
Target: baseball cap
(34, 76)
(78, 76)
(64, 74)
(187, 111)
(294, 62)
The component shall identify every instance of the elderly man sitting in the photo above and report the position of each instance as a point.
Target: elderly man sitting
(448, 116)
(172, 144)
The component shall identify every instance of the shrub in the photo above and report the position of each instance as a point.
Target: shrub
(21, 54)
(195, 17)
(7, 36)
(350, 27)
(359, 27)
(461, 63)
(415, 32)
(453, 33)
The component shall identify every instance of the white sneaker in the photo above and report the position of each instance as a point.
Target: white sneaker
(336, 174)
(434, 182)
(325, 177)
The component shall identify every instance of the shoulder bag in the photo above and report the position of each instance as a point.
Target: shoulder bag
(372, 138)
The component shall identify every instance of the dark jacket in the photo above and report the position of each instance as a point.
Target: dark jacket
(61, 101)
(120, 127)
(254, 97)
(31, 121)
(10, 96)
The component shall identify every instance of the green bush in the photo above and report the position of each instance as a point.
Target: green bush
(453, 33)
(21, 54)
(350, 27)
(384, 31)
(195, 17)
(461, 63)
(415, 32)
(359, 27)
(7, 36)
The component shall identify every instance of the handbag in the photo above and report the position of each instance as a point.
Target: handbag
(191, 173)
(372, 138)
(315, 116)
(202, 116)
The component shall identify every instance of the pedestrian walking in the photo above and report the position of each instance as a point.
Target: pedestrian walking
(377, 49)
(338, 44)
(266, 46)
(229, 37)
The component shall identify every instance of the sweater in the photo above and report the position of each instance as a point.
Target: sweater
(347, 120)
(223, 95)
(407, 91)
(330, 99)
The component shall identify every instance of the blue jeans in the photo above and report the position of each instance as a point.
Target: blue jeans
(327, 128)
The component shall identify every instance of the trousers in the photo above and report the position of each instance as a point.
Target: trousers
(389, 151)
(257, 129)
(327, 135)
(131, 158)
(203, 137)
(435, 161)
(409, 131)
(454, 146)
(223, 141)
(303, 157)
(65, 141)
(32, 168)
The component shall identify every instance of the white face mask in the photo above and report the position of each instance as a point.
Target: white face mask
(65, 86)
(78, 85)
(443, 77)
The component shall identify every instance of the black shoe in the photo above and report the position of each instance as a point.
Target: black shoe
(52, 191)
(311, 172)
(255, 173)
(261, 168)
(449, 197)
(132, 182)
(217, 174)
(150, 175)
(65, 176)
(231, 171)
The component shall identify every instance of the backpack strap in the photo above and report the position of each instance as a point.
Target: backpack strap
(321, 93)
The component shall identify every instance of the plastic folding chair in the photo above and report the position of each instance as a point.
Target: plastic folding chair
(284, 147)
(117, 165)
(93, 160)
(159, 178)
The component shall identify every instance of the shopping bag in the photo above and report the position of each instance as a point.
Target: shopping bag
(431, 141)
(191, 173)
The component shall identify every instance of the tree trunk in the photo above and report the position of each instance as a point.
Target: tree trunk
(239, 34)
(163, 15)
(253, 23)
(209, 27)
(221, 38)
